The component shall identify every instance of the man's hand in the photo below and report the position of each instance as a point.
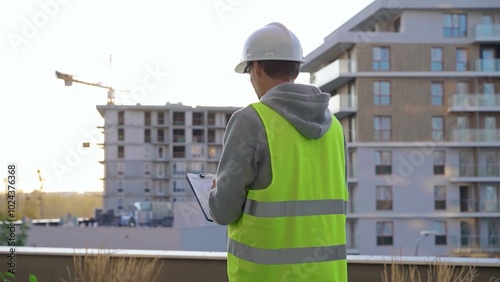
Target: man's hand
(213, 184)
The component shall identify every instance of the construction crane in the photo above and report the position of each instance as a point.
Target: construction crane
(40, 199)
(69, 79)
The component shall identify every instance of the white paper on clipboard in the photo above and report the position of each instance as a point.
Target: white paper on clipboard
(201, 184)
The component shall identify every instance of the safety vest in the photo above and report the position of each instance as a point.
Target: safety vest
(294, 230)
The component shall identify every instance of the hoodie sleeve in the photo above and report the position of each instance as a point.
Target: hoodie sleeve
(236, 170)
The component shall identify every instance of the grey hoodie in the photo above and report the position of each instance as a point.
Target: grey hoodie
(245, 162)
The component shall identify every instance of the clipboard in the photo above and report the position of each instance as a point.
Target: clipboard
(201, 184)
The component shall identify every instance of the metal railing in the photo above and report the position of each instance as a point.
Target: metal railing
(486, 31)
(473, 243)
(333, 71)
(342, 102)
(486, 65)
(474, 135)
(475, 170)
(475, 205)
(475, 100)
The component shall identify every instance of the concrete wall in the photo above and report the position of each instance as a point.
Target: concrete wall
(54, 264)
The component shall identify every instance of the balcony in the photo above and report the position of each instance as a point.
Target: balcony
(487, 65)
(343, 105)
(474, 102)
(474, 135)
(351, 174)
(486, 33)
(492, 206)
(334, 75)
(475, 244)
(474, 173)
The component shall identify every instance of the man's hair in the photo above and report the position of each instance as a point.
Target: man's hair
(281, 69)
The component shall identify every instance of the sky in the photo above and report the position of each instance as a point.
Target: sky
(155, 51)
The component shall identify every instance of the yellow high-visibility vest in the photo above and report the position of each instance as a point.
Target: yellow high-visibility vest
(294, 230)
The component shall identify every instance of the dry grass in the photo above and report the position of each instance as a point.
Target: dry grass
(437, 272)
(103, 266)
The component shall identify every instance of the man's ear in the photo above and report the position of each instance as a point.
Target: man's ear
(258, 68)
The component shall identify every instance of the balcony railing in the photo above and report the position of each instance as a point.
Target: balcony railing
(343, 103)
(475, 206)
(474, 101)
(477, 244)
(333, 71)
(474, 135)
(486, 32)
(487, 65)
(475, 170)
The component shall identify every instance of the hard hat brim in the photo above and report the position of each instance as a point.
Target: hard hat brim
(240, 67)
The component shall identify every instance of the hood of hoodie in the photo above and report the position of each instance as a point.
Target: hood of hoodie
(304, 106)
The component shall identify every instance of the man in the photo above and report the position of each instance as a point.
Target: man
(281, 180)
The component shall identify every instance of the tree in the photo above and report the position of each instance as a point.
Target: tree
(19, 237)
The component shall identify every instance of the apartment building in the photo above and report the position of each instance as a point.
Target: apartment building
(415, 85)
(149, 149)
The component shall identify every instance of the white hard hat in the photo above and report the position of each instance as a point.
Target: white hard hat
(272, 42)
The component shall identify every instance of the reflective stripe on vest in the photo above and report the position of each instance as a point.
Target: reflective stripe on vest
(295, 208)
(286, 256)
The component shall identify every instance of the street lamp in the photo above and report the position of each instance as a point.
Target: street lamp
(423, 234)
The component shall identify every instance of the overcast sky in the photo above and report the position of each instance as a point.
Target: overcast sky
(177, 51)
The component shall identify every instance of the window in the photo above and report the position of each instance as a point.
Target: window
(119, 169)
(198, 135)
(381, 58)
(147, 169)
(179, 168)
(440, 197)
(147, 189)
(382, 127)
(160, 136)
(396, 25)
(160, 153)
(179, 135)
(197, 152)
(437, 128)
(120, 187)
(160, 189)
(147, 118)
(381, 92)
(211, 136)
(383, 162)
(436, 59)
(179, 118)
(384, 233)
(440, 228)
(121, 152)
(121, 118)
(211, 119)
(160, 118)
(120, 204)
(160, 170)
(461, 59)
(121, 134)
(196, 167)
(228, 117)
(454, 25)
(179, 186)
(198, 119)
(147, 135)
(437, 94)
(384, 198)
(439, 160)
(179, 152)
(213, 153)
